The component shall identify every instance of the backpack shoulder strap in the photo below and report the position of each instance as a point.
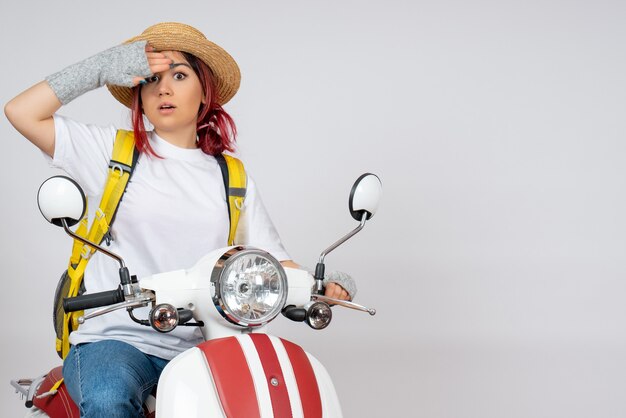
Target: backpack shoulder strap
(235, 184)
(123, 161)
(121, 166)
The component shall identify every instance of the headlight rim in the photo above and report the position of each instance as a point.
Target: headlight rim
(222, 265)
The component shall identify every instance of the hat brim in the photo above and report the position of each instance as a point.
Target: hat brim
(185, 38)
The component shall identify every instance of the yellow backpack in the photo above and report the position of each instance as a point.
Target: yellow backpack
(121, 168)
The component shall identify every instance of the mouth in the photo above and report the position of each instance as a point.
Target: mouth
(166, 108)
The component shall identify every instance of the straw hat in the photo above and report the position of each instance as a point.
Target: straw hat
(172, 36)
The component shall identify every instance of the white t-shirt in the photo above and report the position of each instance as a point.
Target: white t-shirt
(173, 212)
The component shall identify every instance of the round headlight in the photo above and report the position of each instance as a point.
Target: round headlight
(250, 286)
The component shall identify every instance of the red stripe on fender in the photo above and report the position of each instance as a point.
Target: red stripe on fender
(305, 378)
(280, 397)
(232, 377)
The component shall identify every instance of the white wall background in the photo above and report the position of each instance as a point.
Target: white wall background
(496, 261)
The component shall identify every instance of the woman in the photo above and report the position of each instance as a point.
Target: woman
(174, 209)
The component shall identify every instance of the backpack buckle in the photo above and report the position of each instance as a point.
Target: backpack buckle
(100, 219)
(108, 237)
(86, 252)
(115, 167)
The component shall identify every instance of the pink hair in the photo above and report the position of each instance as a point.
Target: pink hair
(215, 128)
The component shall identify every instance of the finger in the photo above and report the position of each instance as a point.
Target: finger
(157, 64)
(157, 68)
(149, 47)
(330, 289)
(344, 295)
(159, 61)
(137, 80)
(156, 55)
(336, 291)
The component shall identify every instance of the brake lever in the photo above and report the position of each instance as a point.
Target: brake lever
(344, 303)
(135, 302)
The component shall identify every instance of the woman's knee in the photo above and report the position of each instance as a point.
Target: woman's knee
(114, 402)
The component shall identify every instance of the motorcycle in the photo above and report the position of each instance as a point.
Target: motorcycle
(232, 294)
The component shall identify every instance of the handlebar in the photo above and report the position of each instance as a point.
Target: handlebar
(93, 300)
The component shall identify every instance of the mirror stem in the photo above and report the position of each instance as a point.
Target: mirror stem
(344, 239)
(319, 268)
(92, 245)
(125, 277)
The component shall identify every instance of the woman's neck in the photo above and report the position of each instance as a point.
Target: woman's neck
(182, 138)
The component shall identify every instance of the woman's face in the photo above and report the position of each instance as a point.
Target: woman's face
(171, 99)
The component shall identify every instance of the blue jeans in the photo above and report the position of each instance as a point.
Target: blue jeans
(110, 378)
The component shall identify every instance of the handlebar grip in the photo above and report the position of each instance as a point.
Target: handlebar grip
(93, 300)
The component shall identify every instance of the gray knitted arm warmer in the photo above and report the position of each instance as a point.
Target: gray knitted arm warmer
(344, 280)
(117, 66)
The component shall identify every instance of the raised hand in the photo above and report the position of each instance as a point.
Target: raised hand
(157, 61)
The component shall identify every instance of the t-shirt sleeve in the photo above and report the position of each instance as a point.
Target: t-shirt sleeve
(255, 226)
(83, 152)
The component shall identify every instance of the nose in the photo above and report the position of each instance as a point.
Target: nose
(164, 87)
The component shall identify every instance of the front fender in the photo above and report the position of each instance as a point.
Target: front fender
(250, 375)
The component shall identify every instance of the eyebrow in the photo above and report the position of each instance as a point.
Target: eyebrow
(176, 64)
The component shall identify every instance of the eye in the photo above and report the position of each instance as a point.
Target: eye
(152, 78)
(180, 76)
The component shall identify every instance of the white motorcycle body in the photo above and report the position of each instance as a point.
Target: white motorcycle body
(235, 373)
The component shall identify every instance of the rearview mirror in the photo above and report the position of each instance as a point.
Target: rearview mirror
(60, 197)
(365, 196)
